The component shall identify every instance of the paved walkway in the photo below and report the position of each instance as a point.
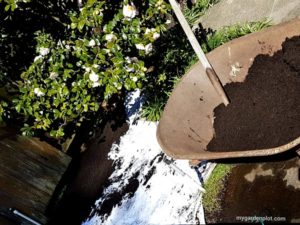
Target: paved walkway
(230, 12)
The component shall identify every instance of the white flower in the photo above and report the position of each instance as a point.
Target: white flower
(134, 59)
(110, 37)
(129, 11)
(124, 36)
(105, 28)
(96, 12)
(107, 50)
(129, 69)
(79, 63)
(156, 35)
(147, 31)
(44, 51)
(38, 92)
(93, 76)
(168, 21)
(37, 58)
(140, 46)
(148, 48)
(128, 59)
(92, 43)
(53, 75)
(87, 69)
(60, 43)
(96, 84)
(134, 79)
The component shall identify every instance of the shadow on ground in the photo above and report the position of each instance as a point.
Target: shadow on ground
(88, 173)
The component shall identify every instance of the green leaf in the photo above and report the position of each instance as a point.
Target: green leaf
(90, 2)
(69, 112)
(97, 106)
(73, 25)
(52, 92)
(13, 6)
(7, 7)
(78, 107)
(18, 108)
(56, 102)
(53, 133)
(56, 113)
(81, 24)
(65, 91)
(29, 110)
(85, 108)
(60, 132)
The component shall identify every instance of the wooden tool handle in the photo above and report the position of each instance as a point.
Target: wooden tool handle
(199, 52)
(217, 85)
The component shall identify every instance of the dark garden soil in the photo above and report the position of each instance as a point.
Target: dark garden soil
(264, 110)
(266, 190)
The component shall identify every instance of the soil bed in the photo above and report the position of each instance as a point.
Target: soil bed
(265, 109)
(270, 191)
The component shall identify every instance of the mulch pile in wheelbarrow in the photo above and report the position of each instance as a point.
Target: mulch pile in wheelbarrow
(264, 110)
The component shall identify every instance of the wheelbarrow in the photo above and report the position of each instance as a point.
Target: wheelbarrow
(186, 126)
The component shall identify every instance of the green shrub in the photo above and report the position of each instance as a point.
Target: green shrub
(102, 56)
(12, 4)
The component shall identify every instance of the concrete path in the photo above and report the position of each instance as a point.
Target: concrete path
(230, 12)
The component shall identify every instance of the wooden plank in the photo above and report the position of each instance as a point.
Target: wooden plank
(29, 172)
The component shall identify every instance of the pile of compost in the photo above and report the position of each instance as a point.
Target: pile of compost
(264, 110)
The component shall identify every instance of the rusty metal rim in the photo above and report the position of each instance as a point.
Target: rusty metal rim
(206, 155)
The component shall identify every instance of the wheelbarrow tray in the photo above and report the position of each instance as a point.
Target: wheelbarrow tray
(186, 125)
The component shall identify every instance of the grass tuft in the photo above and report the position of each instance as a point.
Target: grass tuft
(197, 10)
(213, 186)
(152, 110)
(231, 32)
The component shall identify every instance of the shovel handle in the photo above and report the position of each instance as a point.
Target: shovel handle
(217, 85)
(199, 52)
